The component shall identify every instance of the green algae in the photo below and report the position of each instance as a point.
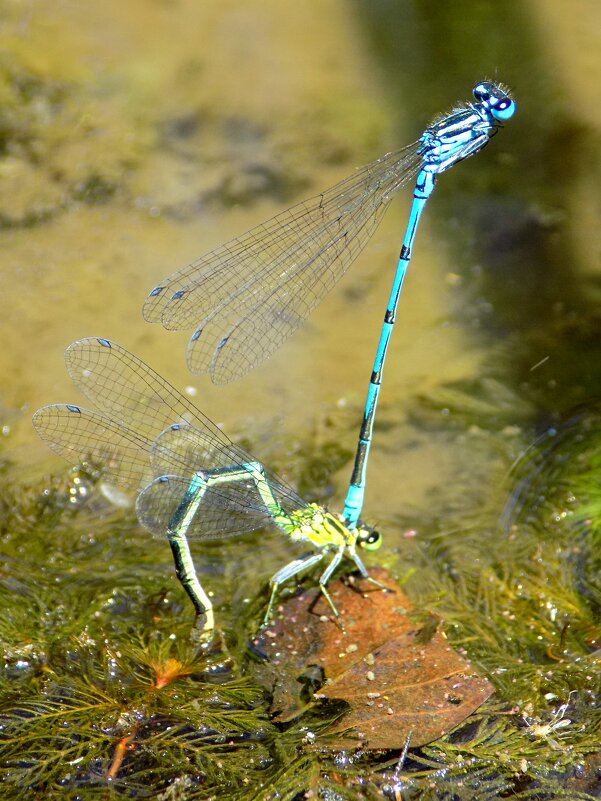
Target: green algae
(103, 694)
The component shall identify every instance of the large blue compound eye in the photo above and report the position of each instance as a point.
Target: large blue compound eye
(501, 106)
(482, 92)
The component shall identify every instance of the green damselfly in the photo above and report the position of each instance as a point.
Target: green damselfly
(191, 480)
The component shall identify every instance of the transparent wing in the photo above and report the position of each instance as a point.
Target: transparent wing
(137, 399)
(97, 443)
(189, 446)
(225, 511)
(192, 449)
(247, 296)
(124, 388)
(110, 451)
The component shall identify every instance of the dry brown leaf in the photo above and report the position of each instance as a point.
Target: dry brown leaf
(395, 675)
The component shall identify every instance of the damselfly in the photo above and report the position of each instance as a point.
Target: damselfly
(247, 296)
(191, 480)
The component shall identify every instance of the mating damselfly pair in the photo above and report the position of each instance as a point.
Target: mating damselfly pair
(250, 295)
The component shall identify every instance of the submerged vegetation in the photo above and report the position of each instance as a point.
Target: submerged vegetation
(103, 694)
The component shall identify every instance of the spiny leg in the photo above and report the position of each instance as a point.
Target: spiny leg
(177, 530)
(363, 570)
(186, 573)
(253, 471)
(183, 517)
(256, 472)
(326, 576)
(287, 572)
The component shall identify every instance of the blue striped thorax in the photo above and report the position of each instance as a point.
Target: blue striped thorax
(467, 129)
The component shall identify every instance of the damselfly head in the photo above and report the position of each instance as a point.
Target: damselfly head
(496, 98)
(369, 538)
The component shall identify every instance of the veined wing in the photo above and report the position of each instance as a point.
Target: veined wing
(133, 395)
(225, 510)
(120, 457)
(104, 447)
(190, 446)
(248, 295)
(107, 448)
(110, 450)
(123, 387)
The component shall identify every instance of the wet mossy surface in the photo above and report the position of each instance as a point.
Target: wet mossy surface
(105, 696)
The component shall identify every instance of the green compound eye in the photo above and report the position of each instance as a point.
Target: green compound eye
(370, 540)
